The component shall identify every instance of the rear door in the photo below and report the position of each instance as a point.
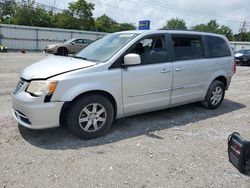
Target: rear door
(191, 68)
(148, 85)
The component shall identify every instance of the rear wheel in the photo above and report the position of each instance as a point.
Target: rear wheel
(90, 116)
(215, 95)
(62, 51)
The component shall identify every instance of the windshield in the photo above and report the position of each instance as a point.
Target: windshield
(245, 52)
(69, 41)
(104, 48)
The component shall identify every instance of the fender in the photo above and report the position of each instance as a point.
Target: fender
(83, 88)
(213, 77)
(109, 82)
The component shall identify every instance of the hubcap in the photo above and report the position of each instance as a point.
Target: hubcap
(92, 117)
(216, 95)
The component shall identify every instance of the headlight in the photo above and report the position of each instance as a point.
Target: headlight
(39, 88)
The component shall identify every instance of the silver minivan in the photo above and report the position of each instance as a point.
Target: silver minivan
(123, 74)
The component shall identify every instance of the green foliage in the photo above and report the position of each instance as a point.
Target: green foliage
(82, 10)
(7, 9)
(175, 23)
(214, 27)
(79, 15)
(126, 27)
(225, 30)
(107, 24)
(65, 20)
(242, 36)
(26, 14)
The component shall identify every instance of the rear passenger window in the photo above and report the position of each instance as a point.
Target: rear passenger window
(187, 47)
(217, 47)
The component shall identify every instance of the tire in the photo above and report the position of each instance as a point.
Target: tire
(215, 95)
(90, 116)
(62, 51)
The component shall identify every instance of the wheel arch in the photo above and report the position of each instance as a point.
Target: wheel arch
(61, 47)
(223, 79)
(99, 92)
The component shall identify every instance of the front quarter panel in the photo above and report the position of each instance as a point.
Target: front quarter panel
(103, 80)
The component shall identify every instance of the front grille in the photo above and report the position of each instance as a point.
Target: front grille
(19, 86)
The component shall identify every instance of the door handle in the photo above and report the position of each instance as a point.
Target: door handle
(179, 69)
(165, 70)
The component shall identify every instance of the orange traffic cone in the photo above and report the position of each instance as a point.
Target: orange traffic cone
(23, 50)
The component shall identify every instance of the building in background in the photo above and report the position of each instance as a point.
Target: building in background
(237, 45)
(17, 37)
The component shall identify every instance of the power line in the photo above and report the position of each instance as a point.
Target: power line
(154, 4)
(44, 6)
(188, 11)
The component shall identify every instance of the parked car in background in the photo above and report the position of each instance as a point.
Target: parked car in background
(242, 57)
(123, 74)
(71, 46)
(3, 48)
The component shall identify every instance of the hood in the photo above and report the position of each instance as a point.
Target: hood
(238, 54)
(53, 65)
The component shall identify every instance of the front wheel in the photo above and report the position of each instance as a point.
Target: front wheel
(90, 116)
(215, 95)
(62, 51)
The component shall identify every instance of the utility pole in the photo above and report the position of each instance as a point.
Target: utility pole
(54, 7)
(243, 28)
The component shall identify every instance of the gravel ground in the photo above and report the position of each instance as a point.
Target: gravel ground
(184, 146)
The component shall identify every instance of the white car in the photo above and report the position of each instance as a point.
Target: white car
(123, 74)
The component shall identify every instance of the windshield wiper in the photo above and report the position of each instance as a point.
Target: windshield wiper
(84, 58)
(78, 57)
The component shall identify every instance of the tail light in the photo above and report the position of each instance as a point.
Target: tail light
(234, 66)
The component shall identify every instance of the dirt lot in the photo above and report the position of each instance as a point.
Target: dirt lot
(180, 147)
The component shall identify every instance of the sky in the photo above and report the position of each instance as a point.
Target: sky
(227, 12)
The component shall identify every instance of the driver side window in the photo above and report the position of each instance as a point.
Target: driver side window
(151, 50)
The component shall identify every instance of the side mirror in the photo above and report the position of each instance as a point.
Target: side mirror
(132, 59)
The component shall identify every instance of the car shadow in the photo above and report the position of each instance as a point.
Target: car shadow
(145, 124)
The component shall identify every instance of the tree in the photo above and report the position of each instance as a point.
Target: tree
(211, 27)
(82, 10)
(242, 36)
(27, 14)
(214, 27)
(7, 10)
(175, 23)
(225, 30)
(65, 20)
(126, 27)
(106, 24)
